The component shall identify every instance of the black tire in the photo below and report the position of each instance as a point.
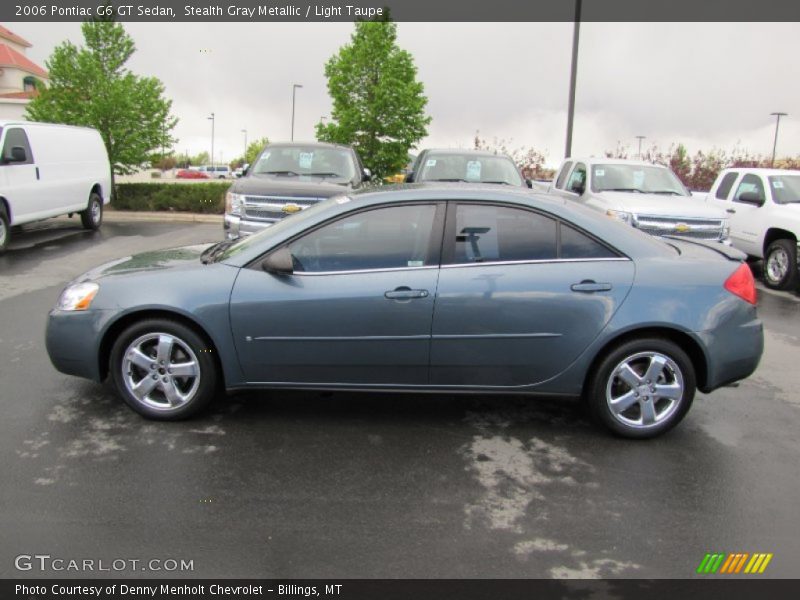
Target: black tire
(193, 392)
(92, 217)
(663, 412)
(5, 229)
(780, 265)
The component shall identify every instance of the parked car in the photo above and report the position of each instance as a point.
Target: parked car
(191, 174)
(47, 170)
(423, 289)
(287, 178)
(644, 195)
(216, 171)
(764, 210)
(471, 166)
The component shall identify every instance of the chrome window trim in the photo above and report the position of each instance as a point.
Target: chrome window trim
(479, 264)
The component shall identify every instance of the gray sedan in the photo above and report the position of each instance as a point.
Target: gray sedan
(422, 289)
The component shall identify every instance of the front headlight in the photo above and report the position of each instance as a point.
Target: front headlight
(726, 229)
(77, 296)
(233, 203)
(619, 215)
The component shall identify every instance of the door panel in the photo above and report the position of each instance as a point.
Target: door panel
(337, 328)
(520, 324)
(21, 185)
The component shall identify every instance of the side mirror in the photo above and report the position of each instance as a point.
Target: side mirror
(751, 198)
(18, 154)
(279, 262)
(245, 169)
(578, 188)
(367, 174)
(409, 178)
(529, 183)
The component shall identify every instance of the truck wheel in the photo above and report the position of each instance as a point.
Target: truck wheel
(780, 265)
(641, 388)
(92, 217)
(5, 230)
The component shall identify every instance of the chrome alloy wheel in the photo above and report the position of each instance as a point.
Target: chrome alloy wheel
(161, 371)
(777, 265)
(644, 389)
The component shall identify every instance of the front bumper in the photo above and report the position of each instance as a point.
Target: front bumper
(236, 227)
(72, 340)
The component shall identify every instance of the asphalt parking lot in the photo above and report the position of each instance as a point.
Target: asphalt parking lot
(312, 485)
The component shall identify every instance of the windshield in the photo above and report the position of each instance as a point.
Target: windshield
(785, 188)
(471, 168)
(232, 248)
(636, 178)
(305, 161)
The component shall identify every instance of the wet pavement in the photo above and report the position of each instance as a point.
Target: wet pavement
(362, 485)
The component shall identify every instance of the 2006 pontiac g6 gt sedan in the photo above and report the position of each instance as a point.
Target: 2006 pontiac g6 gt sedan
(425, 289)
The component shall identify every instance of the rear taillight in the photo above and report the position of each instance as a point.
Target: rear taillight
(742, 284)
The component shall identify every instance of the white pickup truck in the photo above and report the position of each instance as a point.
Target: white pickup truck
(647, 196)
(763, 206)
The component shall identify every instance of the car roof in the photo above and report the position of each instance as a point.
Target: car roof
(764, 171)
(309, 144)
(612, 161)
(465, 151)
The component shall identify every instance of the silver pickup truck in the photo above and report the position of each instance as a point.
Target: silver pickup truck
(647, 196)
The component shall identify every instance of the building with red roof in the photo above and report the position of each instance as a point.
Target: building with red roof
(19, 75)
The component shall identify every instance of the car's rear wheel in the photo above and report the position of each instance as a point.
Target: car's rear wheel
(92, 217)
(5, 229)
(642, 388)
(163, 369)
(780, 265)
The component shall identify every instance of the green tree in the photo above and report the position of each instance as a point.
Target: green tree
(90, 86)
(378, 104)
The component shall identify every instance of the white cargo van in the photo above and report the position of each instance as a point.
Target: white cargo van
(47, 170)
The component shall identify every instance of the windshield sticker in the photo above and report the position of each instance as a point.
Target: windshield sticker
(638, 178)
(431, 162)
(473, 171)
(416, 263)
(305, 160)
(599, 172)
(777, 184)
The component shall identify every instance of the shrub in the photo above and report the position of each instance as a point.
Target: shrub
(204, 197)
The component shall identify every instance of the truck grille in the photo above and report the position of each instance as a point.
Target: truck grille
(273, 208)
(701, 229)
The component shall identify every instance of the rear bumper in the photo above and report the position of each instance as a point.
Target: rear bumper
(236, 227)
(733, 353)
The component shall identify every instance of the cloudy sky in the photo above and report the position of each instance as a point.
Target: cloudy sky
(706, 85)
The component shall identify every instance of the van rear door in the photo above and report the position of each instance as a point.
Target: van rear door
(20, 180)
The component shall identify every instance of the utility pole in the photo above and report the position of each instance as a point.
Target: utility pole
(212, 119)
(573, 77)
(777, 116)
(640, 138)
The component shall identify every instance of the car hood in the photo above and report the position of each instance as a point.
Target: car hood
(156, 260)
(301, 187)
(658, 204)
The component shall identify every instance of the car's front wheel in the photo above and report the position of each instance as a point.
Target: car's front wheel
(163, 369)
(780, 265)
(642, 388)
(5, 229)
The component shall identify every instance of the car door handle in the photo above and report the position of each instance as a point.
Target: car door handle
(588, 286)
(730, 210)
(405, 293)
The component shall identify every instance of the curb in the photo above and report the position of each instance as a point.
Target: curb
(165, 216)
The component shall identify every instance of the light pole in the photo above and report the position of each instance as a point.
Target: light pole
(777, 116)
(573, 77)
(294, 90)
(212, 119)
(640, 138)
(244, 156)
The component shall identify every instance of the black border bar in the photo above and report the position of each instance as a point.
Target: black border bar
(707, 588)
(405, 10)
